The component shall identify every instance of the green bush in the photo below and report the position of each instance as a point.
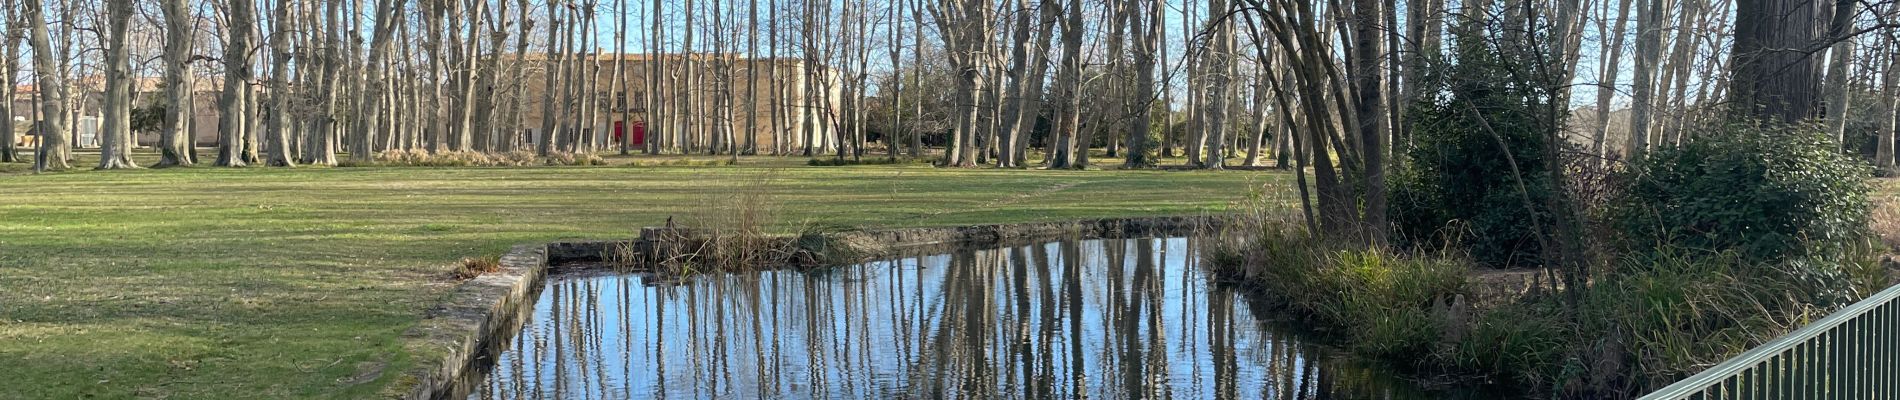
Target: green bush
(1770, 193)
(1478, 123)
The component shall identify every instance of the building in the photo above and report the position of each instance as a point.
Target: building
(693, 108)
(90, 94)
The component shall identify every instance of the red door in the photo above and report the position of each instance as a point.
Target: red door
(639, 133)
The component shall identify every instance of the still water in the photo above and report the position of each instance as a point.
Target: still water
(1111, 318)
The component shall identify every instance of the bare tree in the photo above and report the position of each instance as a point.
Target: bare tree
(1610, 68)
(8, 139)
(964, 25)
(277, 120)
(175, 137)
(488, 122)
(1068, 90)
(1218, 71)
(370, 111)
(1649, 20)
(232, 123)
(1368, 81)
(116, 134)
(1018, 71)
(544, 141)
(52, 130)
(1889, 113)
(1840, 60)
(1144, 23)
(1031, 91)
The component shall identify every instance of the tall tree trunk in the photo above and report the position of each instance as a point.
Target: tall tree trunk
(1369, 80)
(487, 122)
(1144, 23)
(1068, 113)
(470, 50)
(1606, 89)
(896, 52)
(1032, 90)
(435, 123)
(1676, 71)
(277, 122)
(9, 151)
(1889, 108)
(917, 67)
(233, 119)
(116, 134)
(1218, 72)
(1648, 50)
(1263, 71)
(1193, 64)
(1018, 72)
(369, 115)
(519, 84)
(1840, 62)
(174, 138)
(965, 28)
(9, 139)
(1772, 76)
(752, 80)
(544, 141)
(777, 89)
(319, 144)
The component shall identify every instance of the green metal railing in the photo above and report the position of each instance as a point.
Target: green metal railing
(1852, 354)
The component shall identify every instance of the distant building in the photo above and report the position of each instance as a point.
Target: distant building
(608, 126)
(90, 96)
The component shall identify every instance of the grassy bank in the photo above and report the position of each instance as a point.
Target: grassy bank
(296, 283)
(1645, 320)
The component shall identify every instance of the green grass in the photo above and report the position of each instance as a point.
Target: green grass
(297, 283)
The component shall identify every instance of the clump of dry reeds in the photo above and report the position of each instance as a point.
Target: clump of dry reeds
(729, 232)
(472, 267)
(423, 158)
(582, 159)
(1886, 221)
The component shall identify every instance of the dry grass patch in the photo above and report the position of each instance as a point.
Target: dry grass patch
(472, 267)
(1886, 217)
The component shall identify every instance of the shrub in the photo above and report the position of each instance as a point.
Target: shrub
(1480, 151)
(1769, 193)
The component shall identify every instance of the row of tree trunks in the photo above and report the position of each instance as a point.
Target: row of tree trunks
(316, 86)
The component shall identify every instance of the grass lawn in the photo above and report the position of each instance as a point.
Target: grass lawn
(297, 283)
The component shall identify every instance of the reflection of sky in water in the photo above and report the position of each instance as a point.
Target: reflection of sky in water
(1046, 321)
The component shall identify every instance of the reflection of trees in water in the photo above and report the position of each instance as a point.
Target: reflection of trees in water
(1105, 319)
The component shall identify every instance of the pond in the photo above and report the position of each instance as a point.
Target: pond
(1109, 318)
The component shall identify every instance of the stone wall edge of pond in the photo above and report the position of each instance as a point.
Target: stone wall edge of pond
(868, 244)
(453, 334)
